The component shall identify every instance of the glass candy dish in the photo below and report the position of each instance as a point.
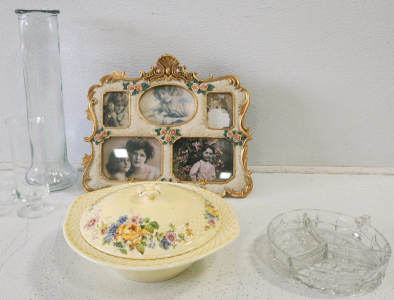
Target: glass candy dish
(328, 252)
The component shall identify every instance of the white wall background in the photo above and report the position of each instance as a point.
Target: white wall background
(320, 73)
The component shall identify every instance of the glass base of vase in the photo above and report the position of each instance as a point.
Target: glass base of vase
(61, 177)
(32, 212)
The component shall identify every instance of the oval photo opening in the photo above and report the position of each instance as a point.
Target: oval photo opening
(167, 105)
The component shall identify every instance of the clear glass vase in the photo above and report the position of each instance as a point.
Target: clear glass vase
(39, 32)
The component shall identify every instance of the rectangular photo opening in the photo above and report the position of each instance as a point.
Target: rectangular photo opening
(203, 158)
(116, 109)
(220, 110)
(131, 158)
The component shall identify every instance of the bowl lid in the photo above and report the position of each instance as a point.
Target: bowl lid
(149, 221)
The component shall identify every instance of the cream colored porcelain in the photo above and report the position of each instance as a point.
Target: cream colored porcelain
(150, 221)
(151, 270)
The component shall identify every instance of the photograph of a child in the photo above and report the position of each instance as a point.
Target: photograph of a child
(220, 110)
(196, 159)
(167, 105)
(131, 157)
(116, 109)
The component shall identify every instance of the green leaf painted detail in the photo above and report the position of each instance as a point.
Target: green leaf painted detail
(118, 244)
(140, 248)
(154, 224)
(123, 251)
(150, 228)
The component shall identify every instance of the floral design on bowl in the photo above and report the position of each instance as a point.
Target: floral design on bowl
(147, 270)
(135, 235)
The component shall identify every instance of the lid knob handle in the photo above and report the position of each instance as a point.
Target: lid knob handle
(149, 191)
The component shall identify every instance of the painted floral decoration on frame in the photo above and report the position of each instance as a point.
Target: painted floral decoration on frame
(167, 135)
(199, 87)
(134, 88)
(235, 137)
(100, 135)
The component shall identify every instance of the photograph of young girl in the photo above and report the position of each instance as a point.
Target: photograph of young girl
(167, 105)
(220, 108)
(139, 158)
(196, 159)
(116, 109)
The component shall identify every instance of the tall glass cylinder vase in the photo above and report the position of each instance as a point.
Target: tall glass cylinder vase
(39, 32)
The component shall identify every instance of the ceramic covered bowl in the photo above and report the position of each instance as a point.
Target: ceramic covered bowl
(150, 221)
(149, 231)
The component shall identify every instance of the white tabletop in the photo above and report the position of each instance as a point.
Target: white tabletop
(37, 263)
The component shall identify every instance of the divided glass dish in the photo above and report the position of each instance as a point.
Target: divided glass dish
(328, 252)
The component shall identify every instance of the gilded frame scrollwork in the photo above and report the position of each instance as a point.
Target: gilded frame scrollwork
(167, 73)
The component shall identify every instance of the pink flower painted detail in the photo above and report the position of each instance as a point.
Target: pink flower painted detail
(131, 87)
(171, 237)
(212, 222)
(203, 87)
(98, 137)
(91, 222)
(167, 138)
(136, 219)
(237, 137)
(195, 87)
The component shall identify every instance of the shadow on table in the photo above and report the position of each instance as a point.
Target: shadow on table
(60, 273)
(9, 210)
(262, 263)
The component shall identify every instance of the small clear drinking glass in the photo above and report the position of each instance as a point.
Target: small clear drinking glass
(30, 164)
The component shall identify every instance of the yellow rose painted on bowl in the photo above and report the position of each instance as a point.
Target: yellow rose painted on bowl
(135, 242)
(212, 211)
(129, 231)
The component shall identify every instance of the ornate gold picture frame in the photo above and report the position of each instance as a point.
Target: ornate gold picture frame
(168, 125)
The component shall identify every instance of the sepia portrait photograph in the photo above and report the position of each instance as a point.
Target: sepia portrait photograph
(116, 109)
(124, 158)
(220, 110)
(167, 105)
(196, 159)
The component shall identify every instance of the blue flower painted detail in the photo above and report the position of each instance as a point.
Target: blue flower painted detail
(122, 219)
(165, 244)
(112, 230)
